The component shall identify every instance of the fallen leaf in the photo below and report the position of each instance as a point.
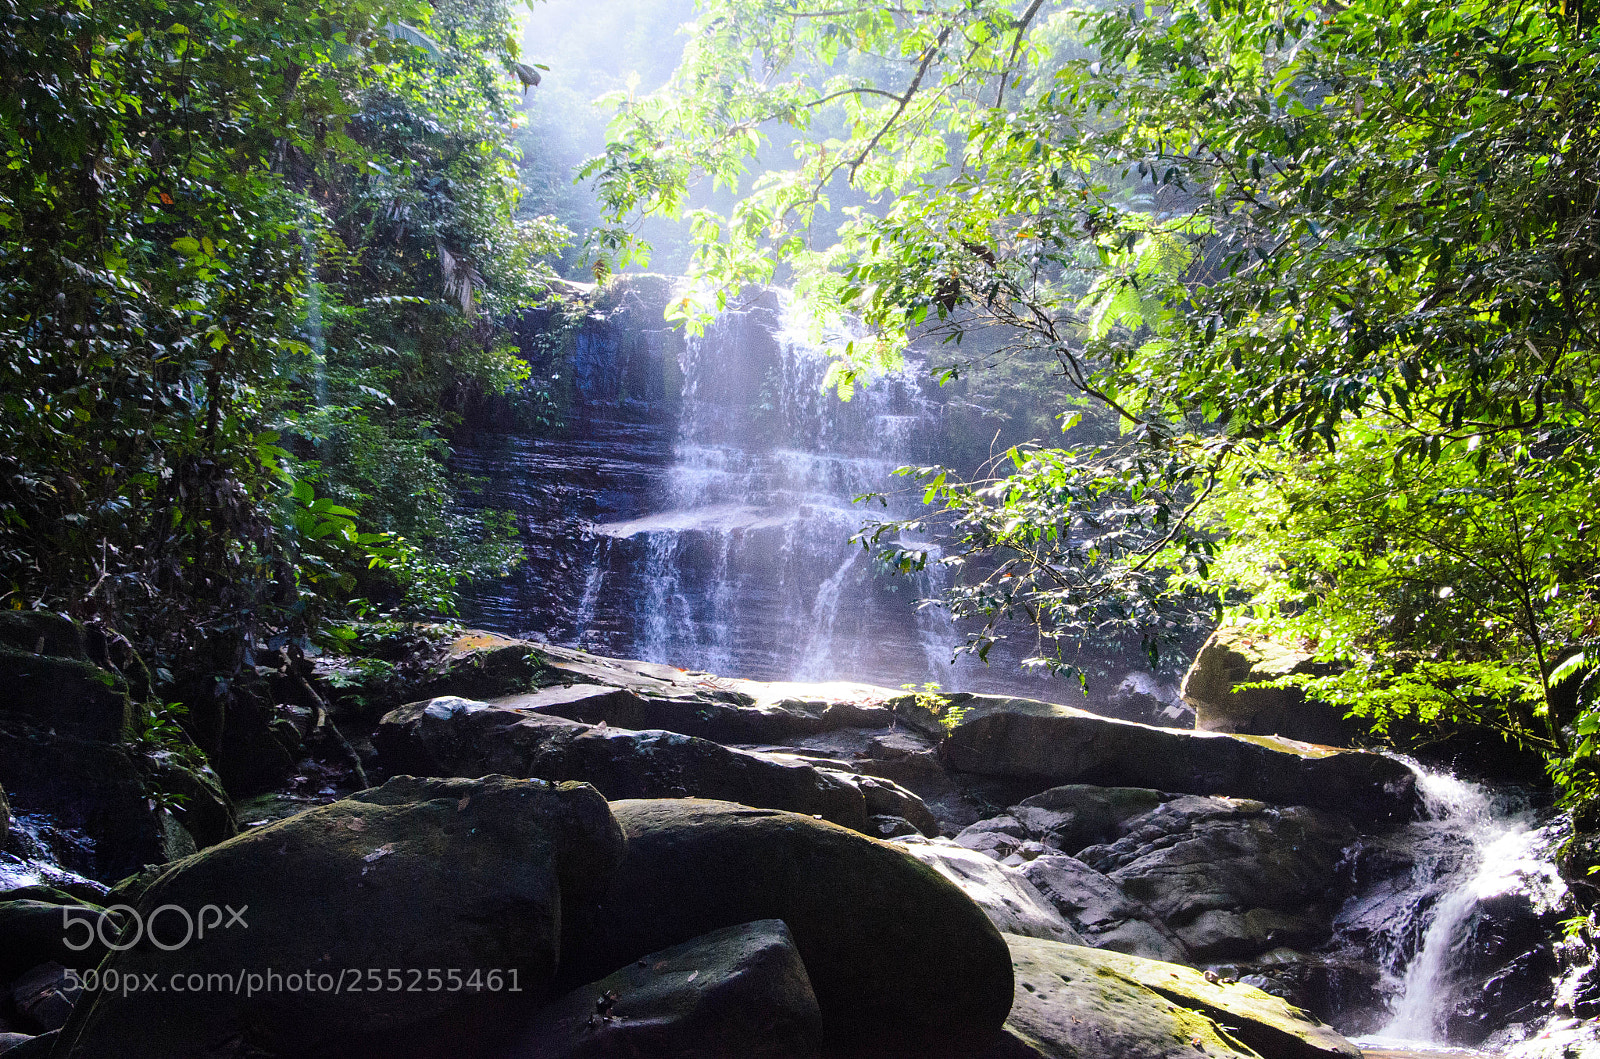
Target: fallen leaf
(382, 851)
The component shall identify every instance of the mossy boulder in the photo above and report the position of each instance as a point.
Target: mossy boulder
(53, 681)
(892, 948)
(1235, 656)
(34, 929)
(415, 874)
(1075, 1002)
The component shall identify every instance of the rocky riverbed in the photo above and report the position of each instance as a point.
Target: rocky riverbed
(559, 854)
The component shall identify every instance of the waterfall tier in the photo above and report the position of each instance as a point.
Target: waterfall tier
(696, 506)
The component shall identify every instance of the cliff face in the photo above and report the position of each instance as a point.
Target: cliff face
(691, 499)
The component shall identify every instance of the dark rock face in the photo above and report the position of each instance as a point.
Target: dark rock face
(1176, 876)
(1509, 950)
(1231, 877)
(1060, 744)
(458, 737)
(883, 937)
(1101, 911)
(65, 726)
(413, 874)
(736, 993)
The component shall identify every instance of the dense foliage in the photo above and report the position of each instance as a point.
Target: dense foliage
(249, 254)
(1331, 270)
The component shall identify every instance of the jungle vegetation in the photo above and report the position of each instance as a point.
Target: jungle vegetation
(1319, 281)
(253, 259)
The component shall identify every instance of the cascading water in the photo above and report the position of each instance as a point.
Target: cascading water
(747, 560)
(1477, 856)
(42, 852)
(696, 508)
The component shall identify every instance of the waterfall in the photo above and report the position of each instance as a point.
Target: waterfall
(695, 502)
(1475, 847)
(744, 562)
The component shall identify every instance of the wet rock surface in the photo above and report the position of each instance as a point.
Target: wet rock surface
(1122, 840)
(737, 993)
(1006, 896)
(1101, 911)
(452, 736)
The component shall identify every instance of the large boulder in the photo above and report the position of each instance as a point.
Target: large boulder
(41, 925)
(52, 679)
(892, 948)
(1101, 912)
(459, 737)
(736, 993)
(1006, 896)
(1231, 877)
(1073, 1003)
(417, 875)
(754, 713)
(1235, 656)
(1055, 745)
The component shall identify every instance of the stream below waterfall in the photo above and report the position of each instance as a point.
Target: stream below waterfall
(1481, 882)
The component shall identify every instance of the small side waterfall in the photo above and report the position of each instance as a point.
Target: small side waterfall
(1478, 862)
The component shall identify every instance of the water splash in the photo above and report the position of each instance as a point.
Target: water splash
(1475, 845)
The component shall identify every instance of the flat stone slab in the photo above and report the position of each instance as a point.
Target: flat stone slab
(1063, 744)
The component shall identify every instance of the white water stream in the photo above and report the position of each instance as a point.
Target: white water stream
(1474, 846)
(745, 562)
